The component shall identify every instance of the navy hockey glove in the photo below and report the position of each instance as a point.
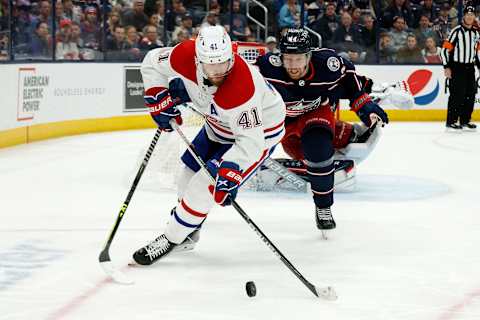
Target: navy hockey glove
(365, 108)
(162, 108)
(228, 178)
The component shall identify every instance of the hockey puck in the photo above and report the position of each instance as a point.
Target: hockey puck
(251, 289)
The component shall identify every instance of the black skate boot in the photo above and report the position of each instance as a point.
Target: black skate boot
(153, 251)
(324, 219)
(469, 126)
(453, 127)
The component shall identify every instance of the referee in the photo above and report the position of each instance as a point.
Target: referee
(459, 56)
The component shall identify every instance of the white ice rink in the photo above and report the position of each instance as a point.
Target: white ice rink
(406, 244)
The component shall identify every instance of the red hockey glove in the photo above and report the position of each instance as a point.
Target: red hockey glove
(162, 108)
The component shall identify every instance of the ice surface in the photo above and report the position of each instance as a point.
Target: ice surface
(405, 247)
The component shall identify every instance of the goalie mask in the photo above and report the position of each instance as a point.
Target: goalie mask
(213, 51)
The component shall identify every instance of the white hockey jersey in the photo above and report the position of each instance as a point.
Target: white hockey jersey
(245, 110)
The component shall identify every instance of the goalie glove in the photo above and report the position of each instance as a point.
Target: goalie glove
(228, 178)
(365, 108)
(162, 108)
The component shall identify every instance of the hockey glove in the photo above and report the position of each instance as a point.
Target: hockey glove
(162, 108)
(365, 108)
(228, 178)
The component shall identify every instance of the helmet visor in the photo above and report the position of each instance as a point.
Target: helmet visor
(215, 70)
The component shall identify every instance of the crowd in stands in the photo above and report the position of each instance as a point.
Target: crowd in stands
(364, 31)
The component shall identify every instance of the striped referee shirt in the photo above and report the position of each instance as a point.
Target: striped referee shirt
(461, 46)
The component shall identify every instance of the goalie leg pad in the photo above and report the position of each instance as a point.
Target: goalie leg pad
(318, 149)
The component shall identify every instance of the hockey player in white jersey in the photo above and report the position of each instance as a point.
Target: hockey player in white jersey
(244, 122)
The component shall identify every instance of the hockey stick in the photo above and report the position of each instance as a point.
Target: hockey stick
(326, 292)
(104, 258)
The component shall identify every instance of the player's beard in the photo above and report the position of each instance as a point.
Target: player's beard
(217, 81)
(297, 73)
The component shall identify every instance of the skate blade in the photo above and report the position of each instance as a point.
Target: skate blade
(325, 234)
(450, 130)
(115, 274)
(184, 247)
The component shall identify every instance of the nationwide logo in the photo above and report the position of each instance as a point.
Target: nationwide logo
(423, 88)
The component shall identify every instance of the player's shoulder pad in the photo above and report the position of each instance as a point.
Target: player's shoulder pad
(238, 88)
(327, 60)
(270, 66)
(182, 59)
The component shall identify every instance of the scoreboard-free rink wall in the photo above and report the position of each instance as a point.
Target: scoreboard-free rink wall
(48, 100)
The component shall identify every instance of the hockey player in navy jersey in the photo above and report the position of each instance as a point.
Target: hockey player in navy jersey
(244, 122)
(311, 82)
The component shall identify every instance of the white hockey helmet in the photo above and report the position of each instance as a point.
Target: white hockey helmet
(213, 45)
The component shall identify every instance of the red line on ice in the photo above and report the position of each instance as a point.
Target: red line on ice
(78, 300)
(454, 310)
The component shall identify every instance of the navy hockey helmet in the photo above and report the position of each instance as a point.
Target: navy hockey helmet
(295, 41)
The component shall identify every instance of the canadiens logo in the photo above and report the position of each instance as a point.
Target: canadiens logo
(333, 64)
(275, 61)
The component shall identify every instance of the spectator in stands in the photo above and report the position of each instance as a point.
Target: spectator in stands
(240, 30)
(41, 42)
(347, 33)
(132, 38)
(59, 13)
(431, 53)
(272, 45)
(410, 53)
(66, 49)
(44, 14)
(289, 15)
(181, 36)
(356, 15)
(23, 27)
(113, 22)
(91, 32)
(397, 8)
(175, 14)
(215, 7)
(211, 19)
(135, 16)
(428, 9)
(315, 10)
(369, 33)
(77, 36)
(186, 27)
(71, 11)
(362, 4)
(117, 43)
(157, 21)
(424, 29)
(327, 24)
(4, 53)
(150, 39)
(386, 52)
(443, 24)
(398, 33)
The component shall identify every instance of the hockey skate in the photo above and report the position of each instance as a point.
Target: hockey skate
(469, 126)
(189, 243)
(155, 250)
(453, 127)
(324, 219)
